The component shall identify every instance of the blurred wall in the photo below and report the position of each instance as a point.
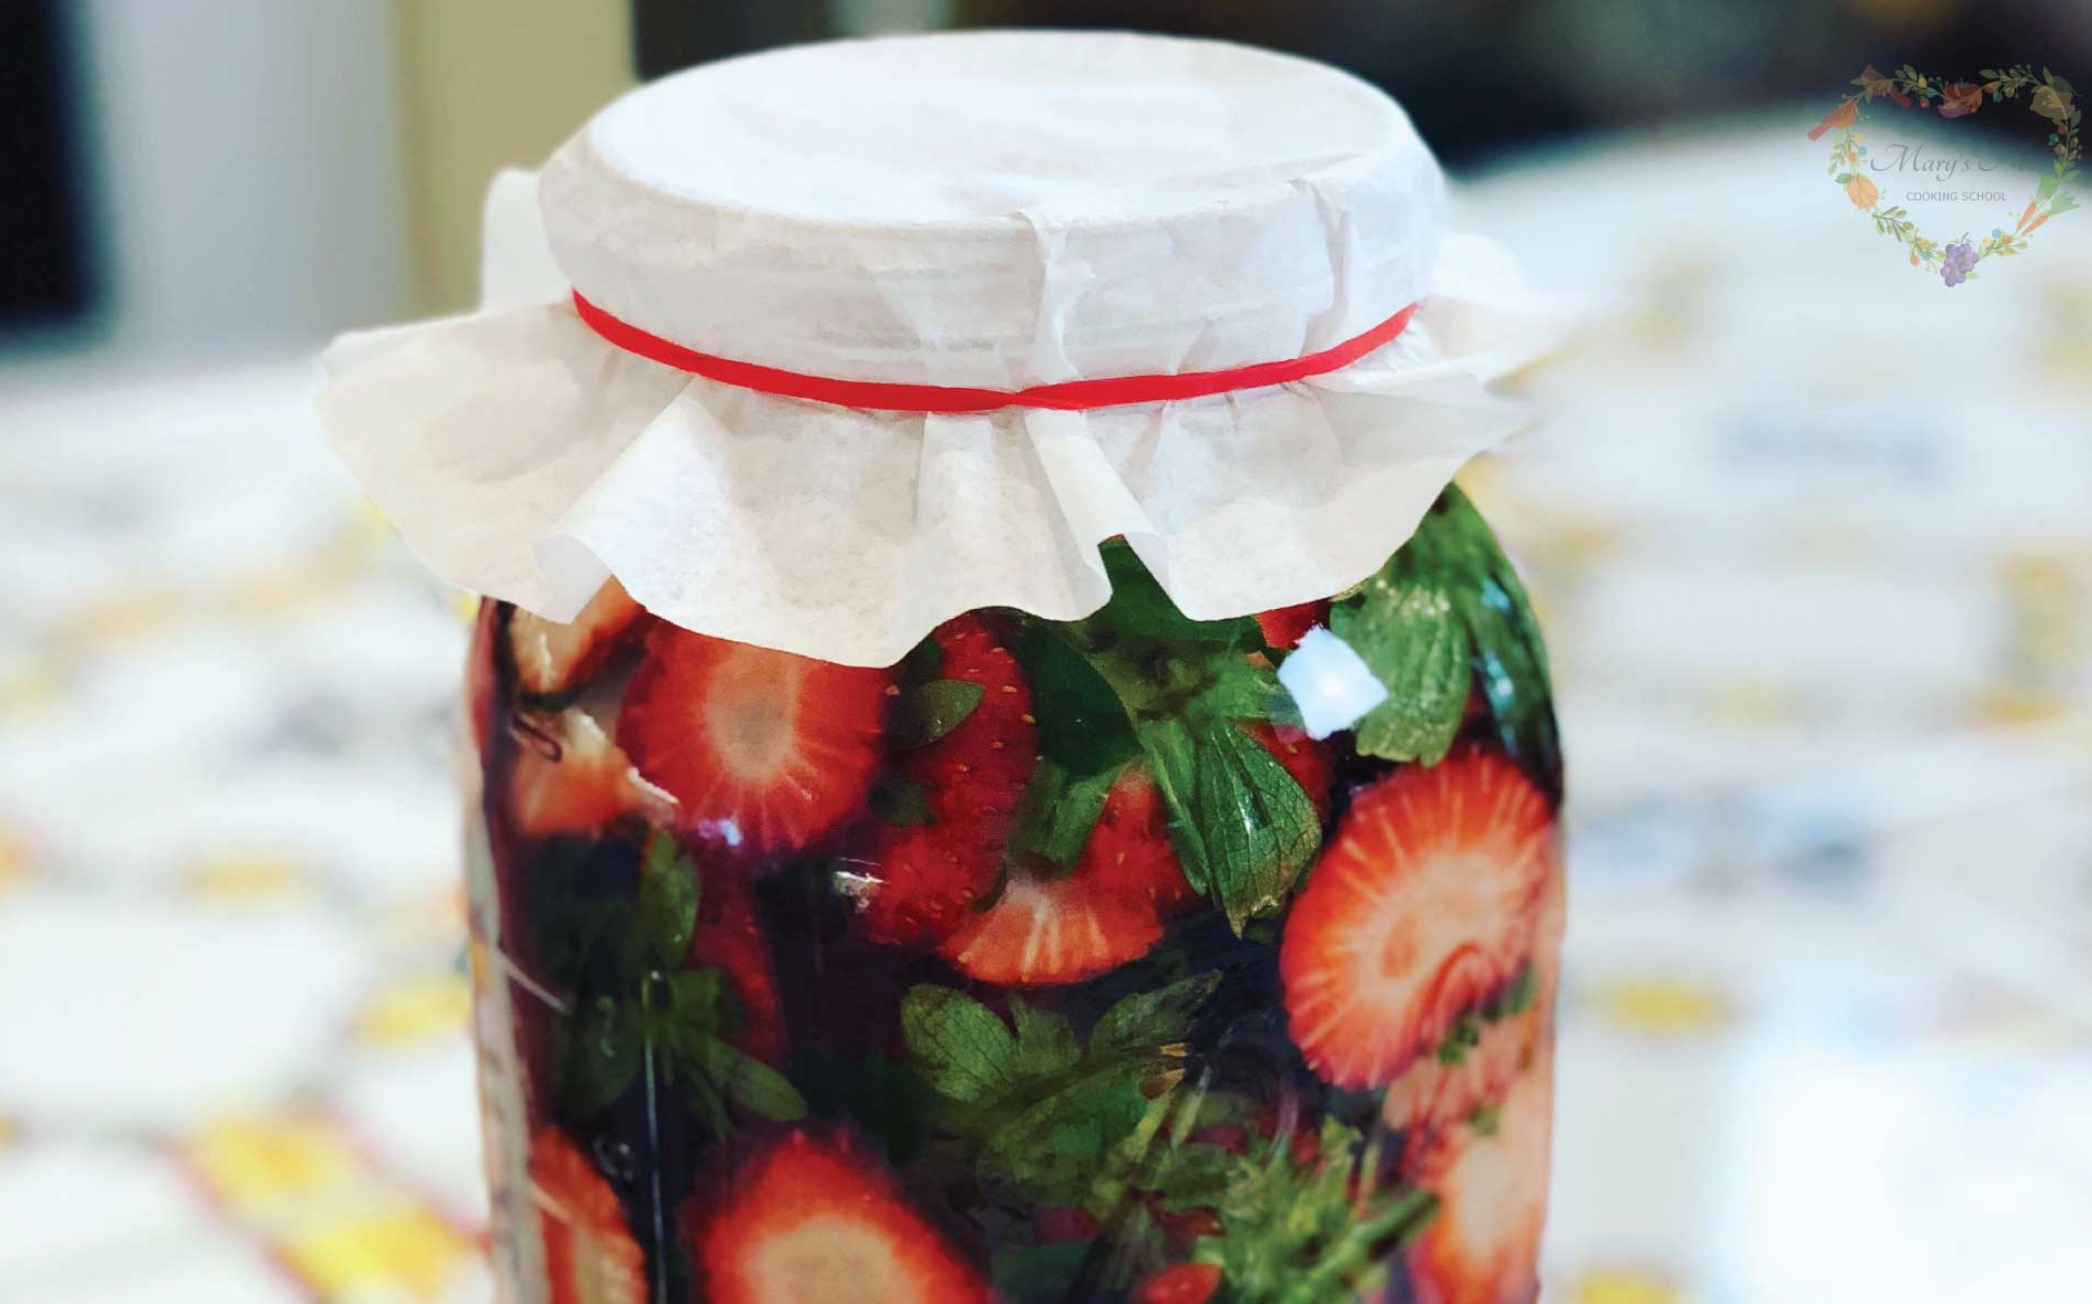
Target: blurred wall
(243, 170)
(855, 17)
(485, 84)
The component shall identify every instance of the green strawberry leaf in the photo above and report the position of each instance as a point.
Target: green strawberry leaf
(1040, 1113)
(1139, 678)
(1239, 688)
(601, 1056)
(703, 1001)
(1310, 1232)
(1045, 1043)
(1466, 1034)
(571, 930)
(1058, 812)
(1244, 828)
(900, 801)
(1511, 664)
(960, 1047)
(1053, 1150)
(741, 1079)
(1082, 725)
(668, 899)
(1085, 739)
(1448, 611)
(1139, 608)
(1515, 999)
(1193, 1176)
(1151, 1018)
(926, 712)
(1406, 629)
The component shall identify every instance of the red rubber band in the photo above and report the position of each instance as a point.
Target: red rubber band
(1065, 396)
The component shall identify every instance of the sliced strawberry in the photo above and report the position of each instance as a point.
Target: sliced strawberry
(1422, 904)
(570, 778)
(727, 937)
(1432, 1094)
(1313, 765)
(1045, 930)
(812, 1221)
(927, 876)
(552, 658)
(1284, 627)
(1491, 1183)
(1180, 1283)
(763, 751)
(590, 1257)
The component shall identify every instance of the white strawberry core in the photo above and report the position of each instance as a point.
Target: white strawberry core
(751, 714)
(827, 1260)
(1452, 900)
(604, 1270)
(1398, 952)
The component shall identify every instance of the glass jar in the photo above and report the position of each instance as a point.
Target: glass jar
(1060, 961)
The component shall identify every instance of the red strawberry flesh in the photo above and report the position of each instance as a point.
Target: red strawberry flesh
(1284, 627)
(1180, 1283)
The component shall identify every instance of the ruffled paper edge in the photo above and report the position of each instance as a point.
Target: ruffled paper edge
(539, 507)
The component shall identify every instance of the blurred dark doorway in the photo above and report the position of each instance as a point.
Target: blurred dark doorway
(672, 34)
(44, 241)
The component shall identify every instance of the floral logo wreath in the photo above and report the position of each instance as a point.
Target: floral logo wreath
(2048, 96)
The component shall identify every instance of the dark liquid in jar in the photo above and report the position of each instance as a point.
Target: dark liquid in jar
(1056, 963)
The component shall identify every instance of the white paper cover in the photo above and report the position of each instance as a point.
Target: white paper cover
(980, 209)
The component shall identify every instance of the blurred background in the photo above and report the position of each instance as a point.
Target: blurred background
(1812, 533)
